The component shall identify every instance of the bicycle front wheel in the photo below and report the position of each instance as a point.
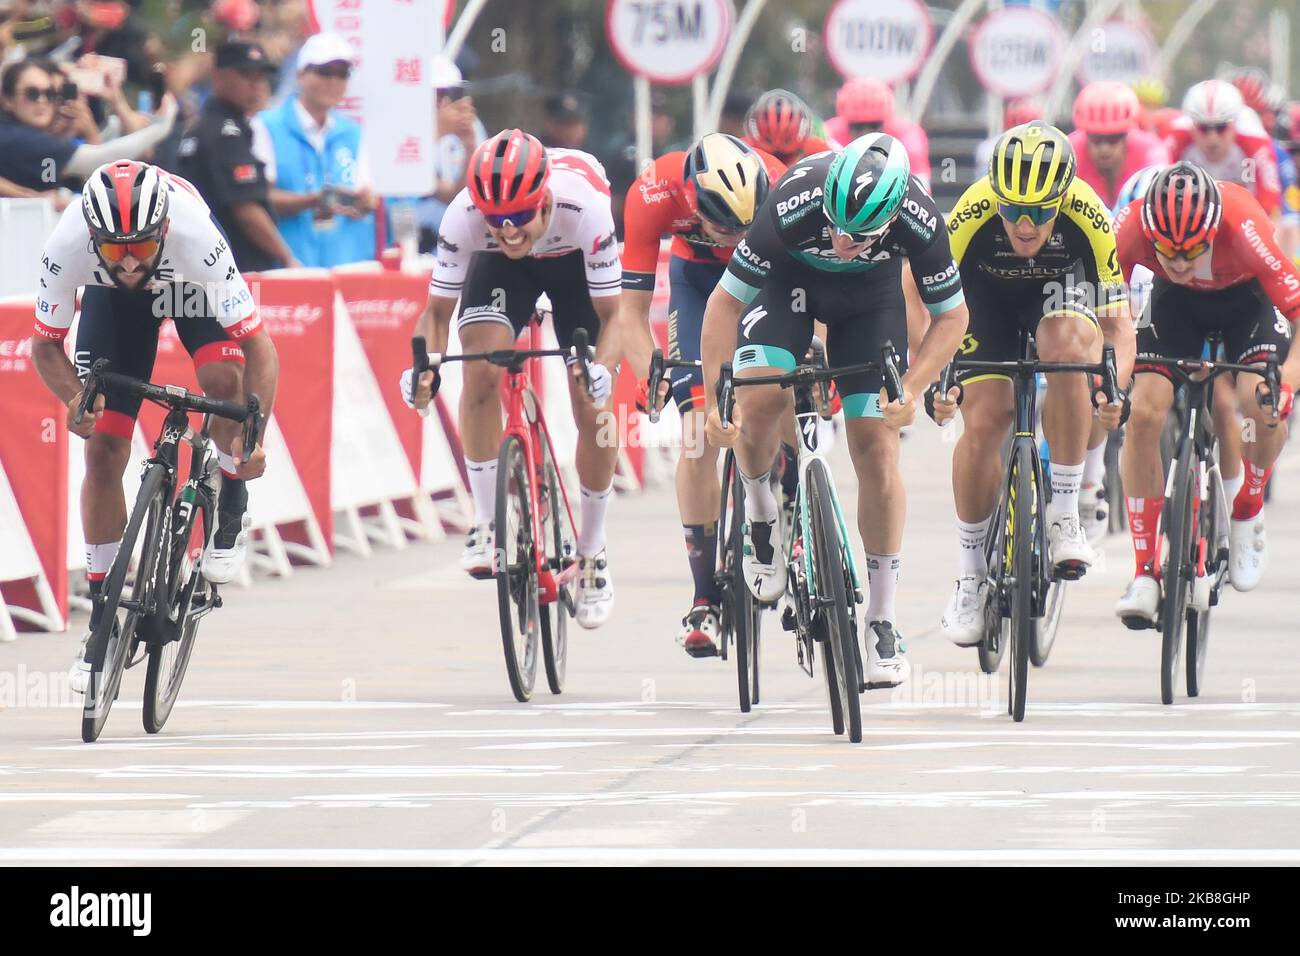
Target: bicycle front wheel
(192, 597)
(741, 610)
(559, 539)
(1046, 626)
(1211, 528)
(516, 569)
(1180, 570)
(1023, 516)
(834, 612)
(114, 637)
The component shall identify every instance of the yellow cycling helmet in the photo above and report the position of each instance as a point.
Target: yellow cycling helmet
(1151, 92)
(1031, 165)
(728, 179)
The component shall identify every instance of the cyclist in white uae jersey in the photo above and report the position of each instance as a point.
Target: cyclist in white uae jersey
(145, 247)
(529, 221)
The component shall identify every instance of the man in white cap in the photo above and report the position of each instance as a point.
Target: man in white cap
(321, 190)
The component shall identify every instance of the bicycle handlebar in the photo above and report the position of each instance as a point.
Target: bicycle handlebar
(1106, 369)
(658, 366)
(1266, 392)
(100, 380)
(806, 375)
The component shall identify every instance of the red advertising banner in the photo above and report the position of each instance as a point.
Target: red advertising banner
(34, 452)
(384, 307)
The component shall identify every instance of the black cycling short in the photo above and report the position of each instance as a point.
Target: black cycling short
(999, 310)
(122, 326)
(862, 311)
(691, 285)
(500, 289)
(1178, 320)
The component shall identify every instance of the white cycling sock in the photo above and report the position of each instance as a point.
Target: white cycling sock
(591, 539)
(971, 559)
(760, 503)
(99, 559)
(1065, 490)
(483, 489)
(882, 582)
(1233, 485)
(1094, 465)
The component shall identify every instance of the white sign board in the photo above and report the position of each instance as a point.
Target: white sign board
(1119, 50)
(1017, 51)
(390, 91)
(884, 41)
(668, 41)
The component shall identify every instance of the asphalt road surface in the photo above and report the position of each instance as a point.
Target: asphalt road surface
(361, 714)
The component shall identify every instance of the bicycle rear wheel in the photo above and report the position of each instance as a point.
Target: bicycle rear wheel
(1045, 627)
(993, 647)
(1179, 572)
(559, 539)
(829, 572)
(516, 569)
(740, 608)
(191, 595)
(114, 637)
(1022, 518)
(1211, 528)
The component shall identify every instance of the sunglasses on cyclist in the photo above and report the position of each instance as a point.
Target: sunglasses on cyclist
(1171, 252)
(34, 95)
(862, 129)
(143, 250)
(857, 237)
(335, 71)
(1038, 215)
(1106, 139)
(1213, 127)
(521, 218)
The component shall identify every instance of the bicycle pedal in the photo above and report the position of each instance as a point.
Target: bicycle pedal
(216, 601)
(482, 575)
(789, 621)
(710, 650)
(1135, 623)
(857, 596)
(877, 685)
(1070, 572)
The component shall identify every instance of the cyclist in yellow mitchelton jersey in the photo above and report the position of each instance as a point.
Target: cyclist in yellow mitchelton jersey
(1036, 251)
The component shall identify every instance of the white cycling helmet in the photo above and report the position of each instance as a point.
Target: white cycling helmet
(1213, 102)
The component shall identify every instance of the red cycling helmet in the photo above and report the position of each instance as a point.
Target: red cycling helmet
(865, 100)
(1182, 207)
(1106, 108)
(508, 173)
(1253, 84)
(778, 122)
(1019, 111)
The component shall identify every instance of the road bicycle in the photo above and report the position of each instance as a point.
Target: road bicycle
(822, 583)
(740, 617)
(535, 561)
(1195, 519)
(1025, 594)
(168, 596)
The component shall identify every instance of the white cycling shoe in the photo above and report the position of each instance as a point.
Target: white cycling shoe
(476, 559)
(1248, 552)
(887, 664)
(963, 618)
(595, 597)
(1137, 608)
(79, 672)
(1094, 512)
(762, 560)
(1070, 552)
(223, 565)
(700, 629)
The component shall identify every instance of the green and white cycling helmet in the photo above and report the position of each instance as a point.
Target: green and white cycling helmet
(865, 186)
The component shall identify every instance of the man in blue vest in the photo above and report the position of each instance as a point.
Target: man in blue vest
(316, 163)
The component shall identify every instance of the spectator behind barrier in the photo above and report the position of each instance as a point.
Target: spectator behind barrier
(33, 157)
(564, 122)
(316, 162)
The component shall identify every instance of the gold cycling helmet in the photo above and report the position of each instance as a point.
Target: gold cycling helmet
(728, 179)
(1031, 165)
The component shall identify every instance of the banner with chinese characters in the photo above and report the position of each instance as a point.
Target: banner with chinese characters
(389, 92)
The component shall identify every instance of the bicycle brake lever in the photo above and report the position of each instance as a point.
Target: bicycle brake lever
(656, 376)
(726, 395)
(91, 390)
(889, 372)
(252, 427)
(580, 353)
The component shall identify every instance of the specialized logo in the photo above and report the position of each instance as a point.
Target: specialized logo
(862, 182)
(752, 319)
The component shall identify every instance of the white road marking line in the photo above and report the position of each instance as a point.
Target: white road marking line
(550, 745)
(89, 797)
(63, 855)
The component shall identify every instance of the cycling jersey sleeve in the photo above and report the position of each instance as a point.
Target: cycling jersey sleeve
(1132, 247)
(198, 254)
(600, 251)
(647, 217)
(1268, 186)
(454, 248)
(1084, 208)
(925, 239)
(1276, 272)
(973, 210)
(752, 260)
(63, 267)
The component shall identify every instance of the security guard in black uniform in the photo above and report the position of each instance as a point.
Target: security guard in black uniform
(216, 155)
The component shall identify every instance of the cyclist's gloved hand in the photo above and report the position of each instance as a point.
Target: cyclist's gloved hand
(1114, 416)
(93, 414)
(602, 383)
(1286, 402)
(941, 408)
(643, 396)
(406, 387)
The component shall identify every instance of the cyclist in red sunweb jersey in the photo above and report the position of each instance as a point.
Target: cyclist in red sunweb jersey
(1107, 141)
(1218, 268)
(143, 246)
(705, 198)
(1207, 135)
(529, 220)
(781, 124)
